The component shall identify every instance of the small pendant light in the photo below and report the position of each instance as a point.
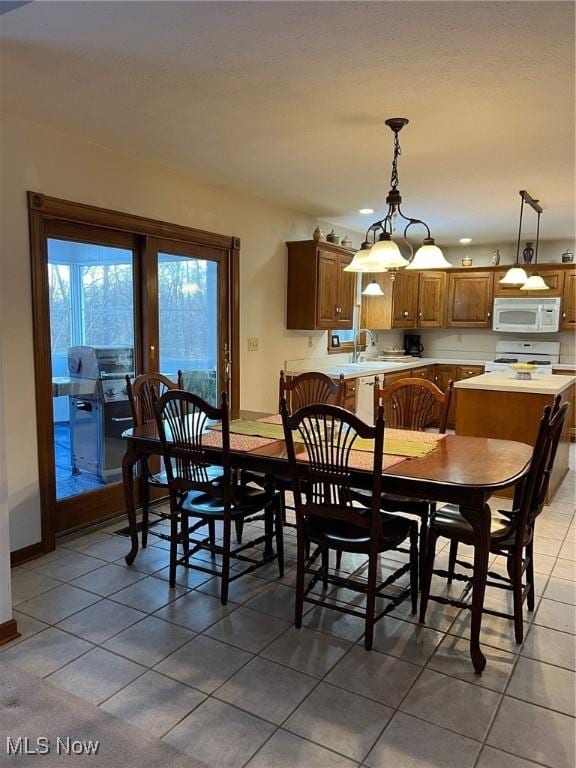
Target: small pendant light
(373, 289)
(535, 283)
(516, 275)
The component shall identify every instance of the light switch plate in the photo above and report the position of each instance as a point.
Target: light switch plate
(253, 344)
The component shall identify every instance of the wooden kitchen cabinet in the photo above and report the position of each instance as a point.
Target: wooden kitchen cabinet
(431, 299)
(470, 297)
(350, 389)
(568, 316)
(320, 293)
(413, 300)
(405, 300)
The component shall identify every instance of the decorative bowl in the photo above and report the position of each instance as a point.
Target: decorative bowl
(523, 370)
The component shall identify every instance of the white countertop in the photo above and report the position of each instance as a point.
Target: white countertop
(374, 367)
(504, 382)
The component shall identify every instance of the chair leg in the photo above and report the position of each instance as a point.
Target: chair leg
(173, 548)
(325, 563)
(423, 540)
(429, 567)
(517, 595)
(530, 597)
(370, 600)
(212, 536)
(283, 506)
(414, 564)
(279, 528)
(225, 561)
(145, 495)
(239, 526)
(338, 559)
(299, 603)
(185, 526)
(269, 531)
(452, 557)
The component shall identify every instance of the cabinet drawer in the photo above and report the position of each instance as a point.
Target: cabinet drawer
(419, 373)
(468, 371)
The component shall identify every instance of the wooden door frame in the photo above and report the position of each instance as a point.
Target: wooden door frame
(45, 212)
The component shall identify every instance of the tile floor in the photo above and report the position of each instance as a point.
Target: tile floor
(239, 686)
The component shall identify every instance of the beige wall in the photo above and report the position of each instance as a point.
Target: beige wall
(36, 158)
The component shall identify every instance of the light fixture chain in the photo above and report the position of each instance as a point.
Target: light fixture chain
(397, 152)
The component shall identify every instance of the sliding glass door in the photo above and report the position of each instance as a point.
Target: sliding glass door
(111, 303)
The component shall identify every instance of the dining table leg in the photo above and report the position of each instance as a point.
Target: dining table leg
(131, 458)
(479, 519)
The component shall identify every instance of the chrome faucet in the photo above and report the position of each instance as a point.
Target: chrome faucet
(356, 353)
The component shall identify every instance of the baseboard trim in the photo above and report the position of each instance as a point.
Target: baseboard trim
(20, 556)
(8, 631)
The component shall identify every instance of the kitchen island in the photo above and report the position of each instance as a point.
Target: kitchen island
(501, 406)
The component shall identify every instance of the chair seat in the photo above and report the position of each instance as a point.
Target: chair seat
(392, 503)
(246, 501)
(160, 479)
(337, 534)
(449, 522)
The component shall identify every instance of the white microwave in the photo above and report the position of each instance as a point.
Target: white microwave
(526, 315)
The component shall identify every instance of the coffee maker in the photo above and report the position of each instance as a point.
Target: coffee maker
(412, 345)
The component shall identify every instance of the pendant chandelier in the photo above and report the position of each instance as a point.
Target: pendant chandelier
(516, 276)
(379, 252)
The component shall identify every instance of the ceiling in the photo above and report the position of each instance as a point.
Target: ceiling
(287, 101)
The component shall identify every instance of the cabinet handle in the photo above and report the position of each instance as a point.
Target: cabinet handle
(563, 315)
(419, 314)
(488, 315)
(405, 313)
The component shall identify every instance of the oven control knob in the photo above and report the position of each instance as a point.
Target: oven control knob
(111, 392)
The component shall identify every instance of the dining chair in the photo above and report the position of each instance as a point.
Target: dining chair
(304, 389)
(327, 516)
(511, 532)
(141, 393)
(195, 495)
(411, 403)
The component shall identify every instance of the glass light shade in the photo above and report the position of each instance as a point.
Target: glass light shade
(373, 289)
(363, 261)
(535, 283)
(387, 254)
(429, 256)
(514, 276)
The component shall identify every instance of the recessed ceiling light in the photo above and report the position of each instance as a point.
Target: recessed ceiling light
(465, 240)
(366, 211)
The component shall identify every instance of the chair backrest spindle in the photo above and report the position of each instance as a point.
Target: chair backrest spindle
(309, 388)
(409, 403)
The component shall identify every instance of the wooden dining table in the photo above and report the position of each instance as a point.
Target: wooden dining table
(462, 470)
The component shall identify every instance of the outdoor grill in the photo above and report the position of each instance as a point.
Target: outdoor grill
(98, 419)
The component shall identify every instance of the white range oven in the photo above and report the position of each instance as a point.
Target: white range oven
(519, 315)
(542, 354)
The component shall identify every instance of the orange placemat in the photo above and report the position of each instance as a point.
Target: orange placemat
(244, 443)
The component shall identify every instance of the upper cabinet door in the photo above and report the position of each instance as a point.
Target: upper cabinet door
(568, 321)
(431, 298)
(328, 278)
(405, 300)
(346, 294)
(469, 300)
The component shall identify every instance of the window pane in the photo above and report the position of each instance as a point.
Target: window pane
(188, 318)
(92, 345)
